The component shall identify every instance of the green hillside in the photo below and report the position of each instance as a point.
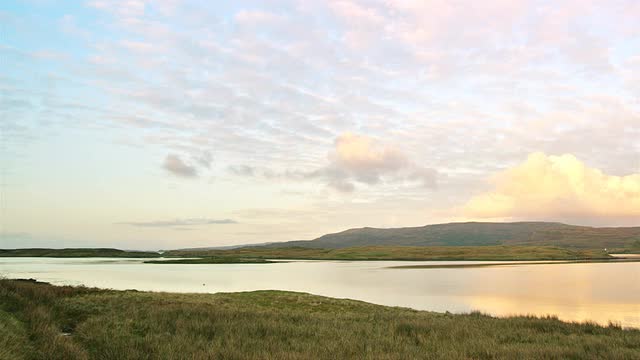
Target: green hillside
(480, 234)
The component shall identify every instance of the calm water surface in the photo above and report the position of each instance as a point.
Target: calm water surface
(597, 292)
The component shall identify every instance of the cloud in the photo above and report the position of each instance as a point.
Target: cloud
(548, 187)
(131, 8)
(255, 94)
(205, 159)
(256, 18)
(175, 165)
(181, 222)
(364, 158)
(242, 170)
(427, 177)
(354, 159)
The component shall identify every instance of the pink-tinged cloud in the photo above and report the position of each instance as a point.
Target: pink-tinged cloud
(367, 160)
(557, 187)
(362, 154)
(176, 166)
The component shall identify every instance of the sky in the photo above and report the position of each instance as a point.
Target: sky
(171, 124)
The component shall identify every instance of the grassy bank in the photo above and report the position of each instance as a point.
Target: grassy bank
(405, 253)
(76, 252)
(40, 321)
(255, 255)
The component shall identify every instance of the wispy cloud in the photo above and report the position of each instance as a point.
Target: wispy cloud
(180, 223)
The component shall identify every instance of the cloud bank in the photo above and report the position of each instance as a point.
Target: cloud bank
(557, 187)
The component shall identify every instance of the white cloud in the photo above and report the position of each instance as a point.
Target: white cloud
(557, 187)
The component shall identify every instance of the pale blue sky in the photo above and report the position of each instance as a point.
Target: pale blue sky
(163, 124)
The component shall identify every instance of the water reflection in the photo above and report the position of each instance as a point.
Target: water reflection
(598, 292)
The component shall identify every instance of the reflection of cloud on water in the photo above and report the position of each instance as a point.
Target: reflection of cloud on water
(574, 292)
(628, 313)
(544, 284)
(634, 318)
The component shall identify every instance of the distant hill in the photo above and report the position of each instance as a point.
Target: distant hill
(479, 234)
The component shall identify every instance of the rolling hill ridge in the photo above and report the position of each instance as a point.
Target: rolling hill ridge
(479, 234)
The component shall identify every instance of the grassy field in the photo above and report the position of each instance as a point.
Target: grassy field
(405, 253)
(633, 248)
(75, 252)
(40, 321)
